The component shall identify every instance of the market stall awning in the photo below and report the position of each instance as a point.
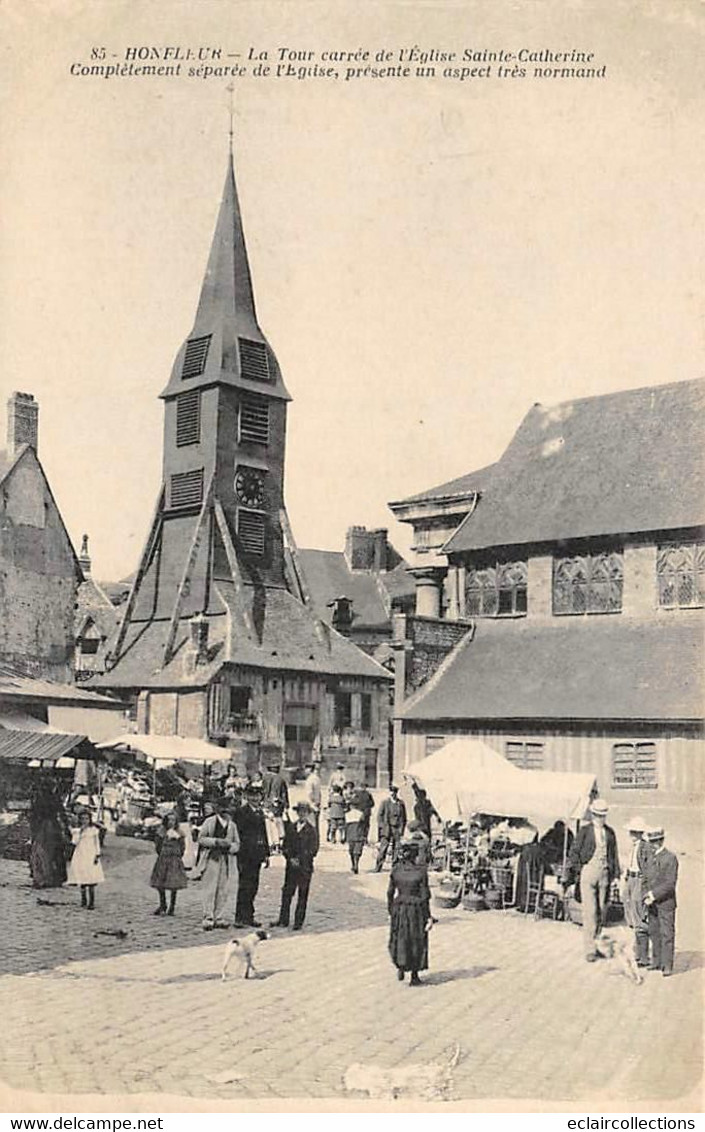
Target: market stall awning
(40, 746)
(168, 748)
(466, 776)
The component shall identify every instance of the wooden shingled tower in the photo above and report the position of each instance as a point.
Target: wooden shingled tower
(219, 524)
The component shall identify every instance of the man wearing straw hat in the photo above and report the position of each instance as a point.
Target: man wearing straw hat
(633, 891)
(660, 899)
(594, 863)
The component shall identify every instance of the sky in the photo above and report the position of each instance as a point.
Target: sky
(430, 257)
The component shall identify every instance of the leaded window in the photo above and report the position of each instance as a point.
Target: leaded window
(588, 583)
(496, 591)
(680, 569)
(634, 766)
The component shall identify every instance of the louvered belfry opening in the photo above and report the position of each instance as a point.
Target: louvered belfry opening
(251, 531)
(254, 362)
(188, 418)
(254, 419)
(186, 489)
(195, 356)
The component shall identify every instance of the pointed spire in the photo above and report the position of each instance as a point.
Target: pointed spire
(226, 307)
(227, 293)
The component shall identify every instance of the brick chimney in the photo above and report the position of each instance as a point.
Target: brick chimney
(366, 550)
(22, 423)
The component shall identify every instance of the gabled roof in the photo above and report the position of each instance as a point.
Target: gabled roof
(226, 310)
(620, 463)
(92, 602)
(606, 668)
(7, 467)
(463, 485)
(291, 639)
(328, 577)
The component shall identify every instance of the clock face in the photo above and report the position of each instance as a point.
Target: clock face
(249, 487)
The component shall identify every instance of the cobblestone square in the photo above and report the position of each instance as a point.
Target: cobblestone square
(91, 1013)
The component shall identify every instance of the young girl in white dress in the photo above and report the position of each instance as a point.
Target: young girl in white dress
(85, 868)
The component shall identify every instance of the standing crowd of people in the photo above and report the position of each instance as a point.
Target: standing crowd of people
(648, 887)
(246, 822)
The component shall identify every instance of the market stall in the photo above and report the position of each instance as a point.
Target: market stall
(494, 814)
(136, 803)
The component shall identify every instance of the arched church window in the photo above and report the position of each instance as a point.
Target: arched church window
(588, 583)
(496, 591)
(680, 570)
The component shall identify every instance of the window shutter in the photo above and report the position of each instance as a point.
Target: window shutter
(254, 361)
(187, 489)
(254, 419)
(250, 529)
(195, 356)
(188, 418)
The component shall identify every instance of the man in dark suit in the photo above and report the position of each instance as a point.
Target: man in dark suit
(300, 848)
(594, 864)
(661, 877)
(254, 852)
(635, 912)
(391, 823)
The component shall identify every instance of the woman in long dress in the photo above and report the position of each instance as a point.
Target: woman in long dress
(50, 840)
(85, 868)
(168, 872)
(409, 907)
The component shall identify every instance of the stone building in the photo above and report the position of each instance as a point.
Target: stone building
(39, 571)
(577, 563)
(219, 638)
(359, 589)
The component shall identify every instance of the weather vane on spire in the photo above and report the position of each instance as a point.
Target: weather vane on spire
(231, 91)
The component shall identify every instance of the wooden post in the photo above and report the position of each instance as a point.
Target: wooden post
(145, 562)
(201, 525)
(231, 556)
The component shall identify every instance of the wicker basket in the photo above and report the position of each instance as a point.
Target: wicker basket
(446, 899)
(494, 898)
(473, 902)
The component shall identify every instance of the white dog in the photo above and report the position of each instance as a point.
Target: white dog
(244, 951)
(618, 945)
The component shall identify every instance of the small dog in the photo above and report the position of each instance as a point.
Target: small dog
(619, 947)
(244, 950)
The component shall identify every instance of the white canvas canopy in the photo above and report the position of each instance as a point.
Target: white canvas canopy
(168, 749)
(466, 776)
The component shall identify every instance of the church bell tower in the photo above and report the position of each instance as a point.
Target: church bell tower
(220, 514)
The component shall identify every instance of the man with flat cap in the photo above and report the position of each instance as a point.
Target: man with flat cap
(593, 863)
(300, 848)
(661, 877)
(254, 852)
(633, 890)
(391, 823)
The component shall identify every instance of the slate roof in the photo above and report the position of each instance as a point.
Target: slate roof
(291, 640)
(463, 485)
(93, 602)
(328, 577)
(602, 668)
(624, 462)
(16, 685)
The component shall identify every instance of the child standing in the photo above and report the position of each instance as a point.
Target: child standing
(168, 872)
(85, 868)
(336, 815)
